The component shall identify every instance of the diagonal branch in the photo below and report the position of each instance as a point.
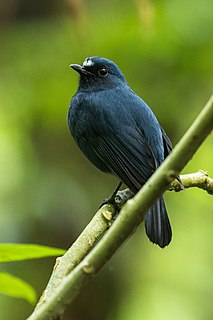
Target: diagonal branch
(65, 286)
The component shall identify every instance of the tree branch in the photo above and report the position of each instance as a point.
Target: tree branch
(65, 285)
(198, 179)
(79, 249)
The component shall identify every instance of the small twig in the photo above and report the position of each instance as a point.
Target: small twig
(198, 179)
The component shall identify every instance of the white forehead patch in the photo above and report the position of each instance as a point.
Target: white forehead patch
(88, 63)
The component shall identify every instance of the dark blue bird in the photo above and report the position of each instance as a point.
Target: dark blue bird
(119, 134)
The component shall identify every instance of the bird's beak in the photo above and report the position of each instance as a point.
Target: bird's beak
(77, 67)
(81, 70)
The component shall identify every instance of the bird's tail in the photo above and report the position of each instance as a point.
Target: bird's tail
(157, 224)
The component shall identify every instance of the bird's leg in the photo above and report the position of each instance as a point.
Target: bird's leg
(111, 200)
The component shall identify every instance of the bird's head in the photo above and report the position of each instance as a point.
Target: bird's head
(98, 74)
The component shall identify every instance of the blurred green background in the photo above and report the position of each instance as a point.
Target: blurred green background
(49, 191)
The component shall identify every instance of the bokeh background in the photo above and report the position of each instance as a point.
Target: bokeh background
(49, 191)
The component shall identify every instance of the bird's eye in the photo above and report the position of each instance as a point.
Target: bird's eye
(103, 72)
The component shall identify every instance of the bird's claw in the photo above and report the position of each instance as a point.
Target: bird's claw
(110, 200)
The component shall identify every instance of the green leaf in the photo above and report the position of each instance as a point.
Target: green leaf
(16, 252)
(15, 287)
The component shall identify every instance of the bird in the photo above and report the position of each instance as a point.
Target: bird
(119, 134)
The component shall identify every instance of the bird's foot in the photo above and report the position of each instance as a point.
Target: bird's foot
(118, 199)
(110, 200)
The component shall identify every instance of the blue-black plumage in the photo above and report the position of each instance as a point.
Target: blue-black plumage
(119, 134)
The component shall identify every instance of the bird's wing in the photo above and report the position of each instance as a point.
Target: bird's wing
(129, 157)
(166, 143)
(167, 150)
